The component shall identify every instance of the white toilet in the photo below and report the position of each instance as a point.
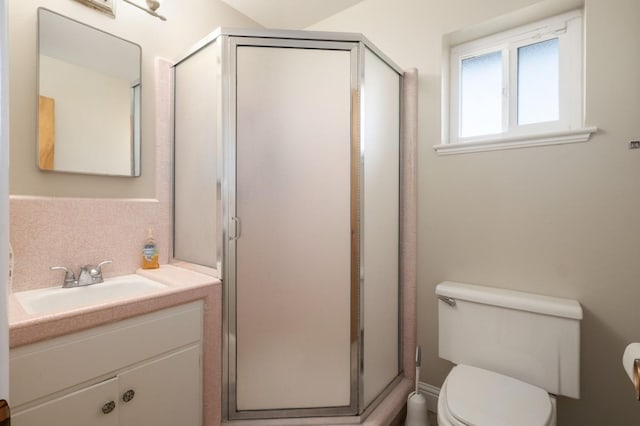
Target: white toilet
(514, 351)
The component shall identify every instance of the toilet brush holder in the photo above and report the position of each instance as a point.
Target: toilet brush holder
(416, 410)
(416, 402)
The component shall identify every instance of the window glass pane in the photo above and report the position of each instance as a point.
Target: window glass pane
(538, 79)
(481, 95)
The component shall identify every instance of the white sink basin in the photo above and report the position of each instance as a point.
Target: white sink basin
(58, 299)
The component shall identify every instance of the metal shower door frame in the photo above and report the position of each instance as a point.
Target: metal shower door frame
(357, 45)
(230, 224)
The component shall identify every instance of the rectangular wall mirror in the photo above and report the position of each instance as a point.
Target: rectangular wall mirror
(88, 99)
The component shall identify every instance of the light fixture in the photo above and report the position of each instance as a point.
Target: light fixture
(104, 6)
(152, 6)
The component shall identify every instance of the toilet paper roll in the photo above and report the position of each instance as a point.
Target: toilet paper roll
(631, 354)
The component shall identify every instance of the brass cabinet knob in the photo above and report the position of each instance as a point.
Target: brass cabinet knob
(128, 395)
(108, 407)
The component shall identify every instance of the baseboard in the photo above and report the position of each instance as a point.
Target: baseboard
(431, 393)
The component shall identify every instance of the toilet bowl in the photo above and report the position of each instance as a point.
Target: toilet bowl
(514, 351)
(478, 397)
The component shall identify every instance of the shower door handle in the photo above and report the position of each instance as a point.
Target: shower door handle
(237, 230)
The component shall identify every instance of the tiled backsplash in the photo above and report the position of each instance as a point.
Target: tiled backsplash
(72, 231)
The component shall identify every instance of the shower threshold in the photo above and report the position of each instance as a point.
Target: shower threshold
(385, 412)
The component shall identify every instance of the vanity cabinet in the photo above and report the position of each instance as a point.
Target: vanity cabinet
(142, 371)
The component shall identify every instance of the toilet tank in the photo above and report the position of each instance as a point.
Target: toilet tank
(527, 336)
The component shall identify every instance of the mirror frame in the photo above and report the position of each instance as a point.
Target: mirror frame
(135, 111)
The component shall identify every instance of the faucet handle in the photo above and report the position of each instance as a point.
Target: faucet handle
(101, 264)
(69, 276)
(95, 271)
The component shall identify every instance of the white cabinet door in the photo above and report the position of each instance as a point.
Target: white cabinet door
(80, 408)
(167, 391)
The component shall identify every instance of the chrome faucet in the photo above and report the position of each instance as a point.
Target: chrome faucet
(89, 274)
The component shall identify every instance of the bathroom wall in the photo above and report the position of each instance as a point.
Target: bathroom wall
(70, 220)
(560, 220)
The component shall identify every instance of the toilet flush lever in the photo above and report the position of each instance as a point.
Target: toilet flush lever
(448, 300)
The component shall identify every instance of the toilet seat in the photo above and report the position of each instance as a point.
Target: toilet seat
(473, 396)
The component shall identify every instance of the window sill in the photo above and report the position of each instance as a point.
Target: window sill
(522, 141)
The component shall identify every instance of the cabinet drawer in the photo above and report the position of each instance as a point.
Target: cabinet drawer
(46, 367)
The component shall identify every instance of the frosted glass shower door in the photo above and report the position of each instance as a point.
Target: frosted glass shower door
(380, 234)
(197, 221)
(293, 198)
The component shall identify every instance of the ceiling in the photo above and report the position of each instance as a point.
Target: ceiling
(289, 14)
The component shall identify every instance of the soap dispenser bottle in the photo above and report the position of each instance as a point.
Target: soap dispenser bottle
(150, 253)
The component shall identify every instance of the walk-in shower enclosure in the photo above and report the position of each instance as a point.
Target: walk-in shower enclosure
(287, 175)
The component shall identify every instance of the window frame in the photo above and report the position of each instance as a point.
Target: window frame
(567, 27)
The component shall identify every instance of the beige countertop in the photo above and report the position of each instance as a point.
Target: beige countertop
(183, 285)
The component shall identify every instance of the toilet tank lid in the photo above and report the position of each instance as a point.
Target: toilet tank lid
(546, 305)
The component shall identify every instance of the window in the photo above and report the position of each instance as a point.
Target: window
(520, 87)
